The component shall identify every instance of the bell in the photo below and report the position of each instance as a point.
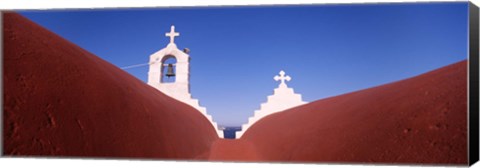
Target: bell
(170, 72)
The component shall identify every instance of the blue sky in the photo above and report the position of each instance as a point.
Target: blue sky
(328, 50)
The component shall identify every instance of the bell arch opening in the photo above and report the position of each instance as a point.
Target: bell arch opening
(169, 69)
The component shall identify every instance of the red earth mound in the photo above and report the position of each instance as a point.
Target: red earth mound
(418, 120)
(60, 100)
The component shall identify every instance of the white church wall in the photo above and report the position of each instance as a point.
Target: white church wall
(283, 98)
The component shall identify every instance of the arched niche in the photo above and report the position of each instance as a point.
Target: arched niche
(166, 60)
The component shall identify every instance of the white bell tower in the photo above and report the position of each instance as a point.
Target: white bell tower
(180, 87)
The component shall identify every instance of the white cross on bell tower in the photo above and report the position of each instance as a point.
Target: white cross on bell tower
(282, 79)
(172, 34)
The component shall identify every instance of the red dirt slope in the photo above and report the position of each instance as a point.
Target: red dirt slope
(233, 150)
(60, 100)
(417, 120)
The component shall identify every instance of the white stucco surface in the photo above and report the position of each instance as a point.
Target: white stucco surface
(180, 88)
(283, 98)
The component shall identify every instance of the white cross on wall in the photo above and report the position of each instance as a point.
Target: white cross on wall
(282, 78)
(172, 34)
